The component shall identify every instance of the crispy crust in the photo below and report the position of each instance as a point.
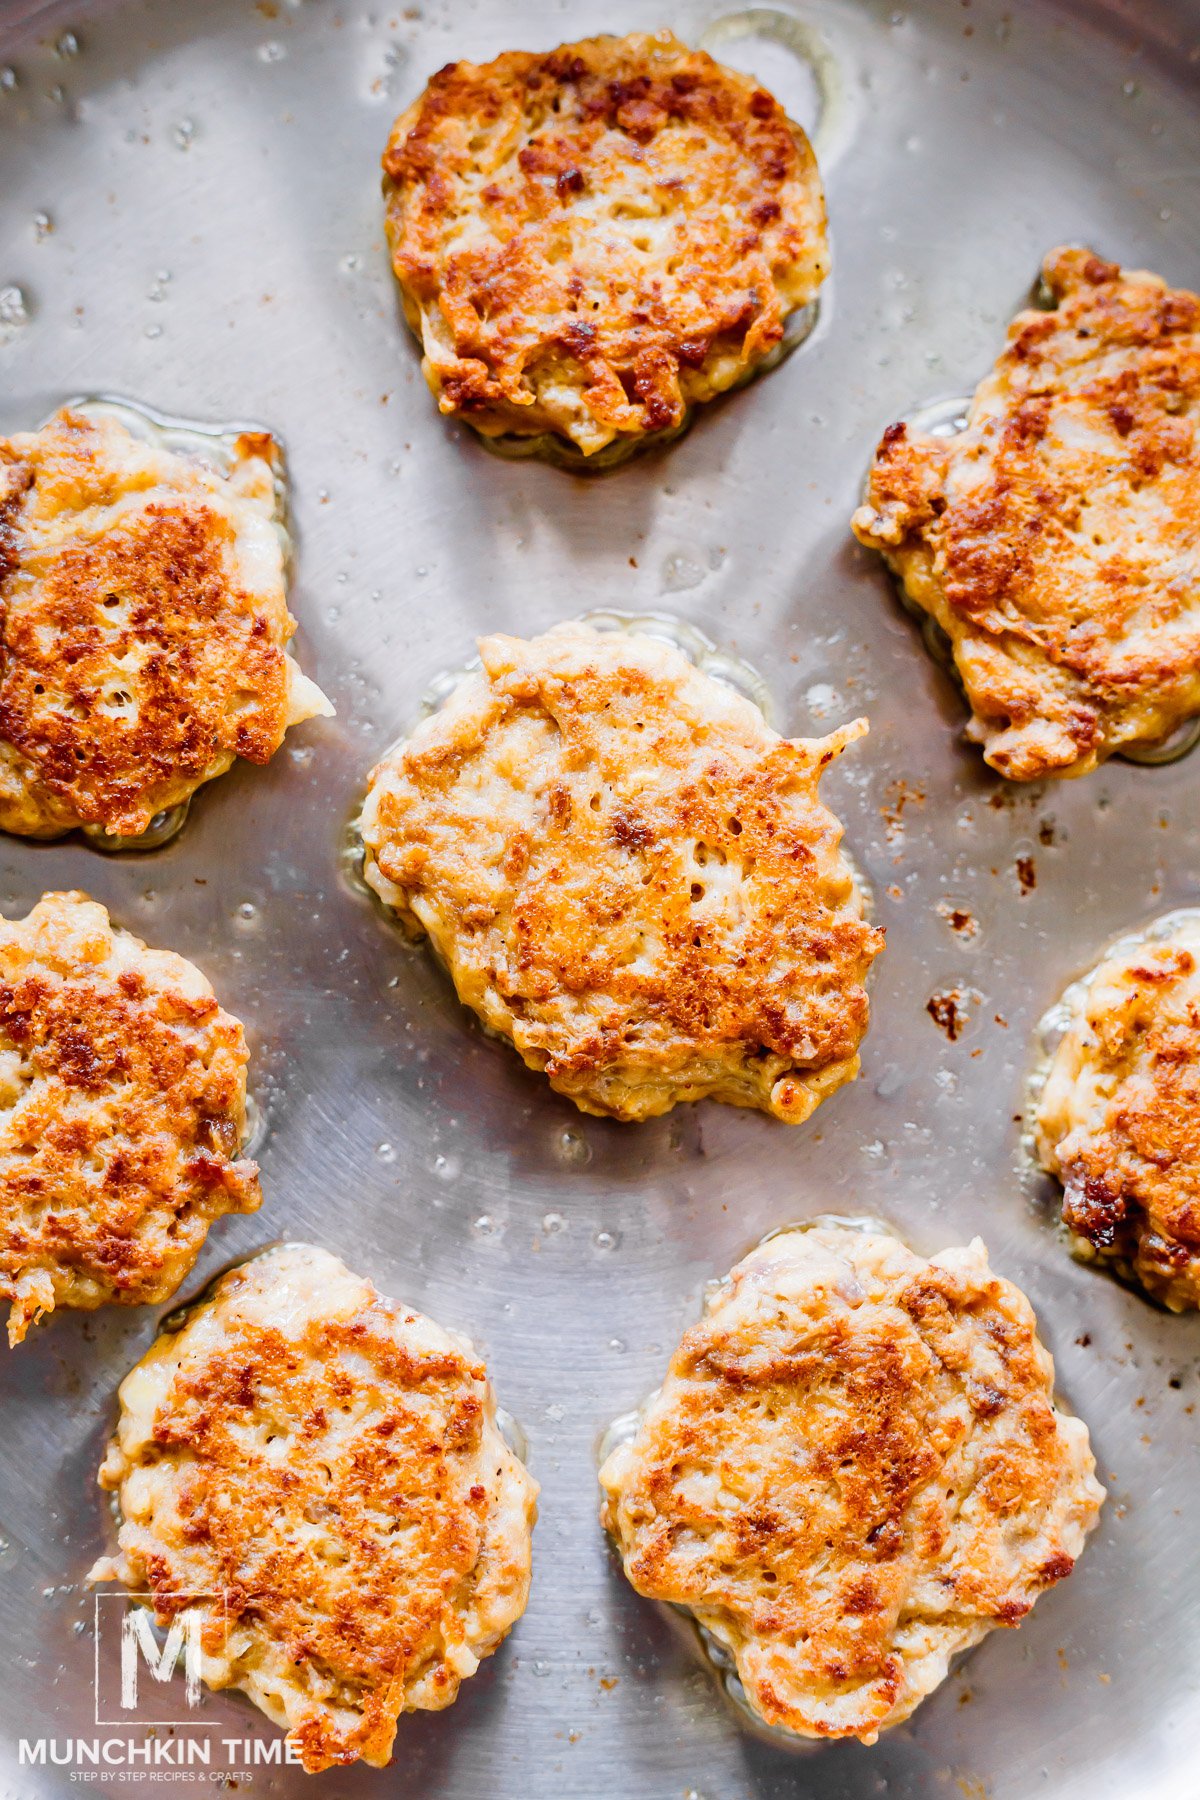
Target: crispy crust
(592, 240)
(1118, 1120)
(144, 625)
(122, 1112)
(326, 1466)
(1055, 539)
(853, 1471)
(630, 876)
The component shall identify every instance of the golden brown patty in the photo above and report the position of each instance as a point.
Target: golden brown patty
(1118, 1120)
(592, 240)
(143, 624)
(122, 1112)
(630, 876)
(324, 1466)
(1056, 539)
(853, 1470)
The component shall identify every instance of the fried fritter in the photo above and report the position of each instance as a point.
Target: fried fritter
(590, 242)
(854, 1470)
(1118, 1120)
(630, 876)
(143, 625)
(122, 1113)
(317, 1472)
(1056, 539)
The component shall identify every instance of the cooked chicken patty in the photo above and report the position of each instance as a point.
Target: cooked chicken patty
(122, 1113)
(854, 1470)
(316, 1471)
(1118, 1120)
(143, 624)
(630, 876)
(1056, 539)
(589, 242)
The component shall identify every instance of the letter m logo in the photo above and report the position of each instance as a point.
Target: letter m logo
(138, 1666)
(138, 1641)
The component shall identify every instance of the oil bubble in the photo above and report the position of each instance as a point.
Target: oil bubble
(573, 1148)
(14, 309)
(162, 828)
(680, 573)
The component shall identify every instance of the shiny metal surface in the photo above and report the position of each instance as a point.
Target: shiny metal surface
(191, 217)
